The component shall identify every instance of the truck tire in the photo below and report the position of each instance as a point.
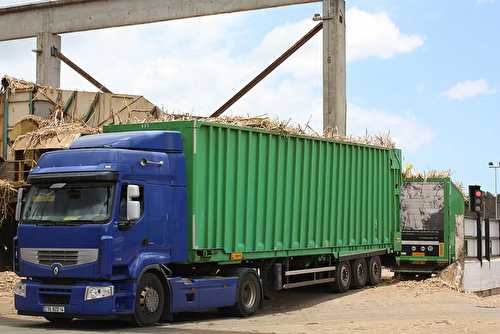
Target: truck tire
(374, 270)
(359, 273)
(248, 293)
(343, 277)
(149, 300)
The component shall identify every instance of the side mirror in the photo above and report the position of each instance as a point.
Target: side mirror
(133, 206)
(19, 204)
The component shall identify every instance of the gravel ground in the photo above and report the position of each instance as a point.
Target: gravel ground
(394, 306)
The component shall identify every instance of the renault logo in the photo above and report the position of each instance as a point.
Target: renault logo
(55, 269)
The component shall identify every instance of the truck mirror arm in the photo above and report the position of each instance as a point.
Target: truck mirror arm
(125, 225)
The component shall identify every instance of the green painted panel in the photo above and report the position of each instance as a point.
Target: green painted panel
(267, 195)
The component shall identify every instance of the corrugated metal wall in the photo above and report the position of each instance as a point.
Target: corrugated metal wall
(269, 195)
(260, 192)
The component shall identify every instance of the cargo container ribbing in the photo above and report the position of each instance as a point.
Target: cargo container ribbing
(255, 194)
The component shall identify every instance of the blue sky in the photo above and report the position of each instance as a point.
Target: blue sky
(429, 76)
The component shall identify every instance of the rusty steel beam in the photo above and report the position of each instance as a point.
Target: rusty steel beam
(56, 53)
(268, 70)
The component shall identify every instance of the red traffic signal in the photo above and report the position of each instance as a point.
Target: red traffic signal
(475, 196)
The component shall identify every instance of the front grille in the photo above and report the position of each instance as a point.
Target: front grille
(65, 258)
(61, 256)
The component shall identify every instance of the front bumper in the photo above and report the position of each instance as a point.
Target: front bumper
(72, 297)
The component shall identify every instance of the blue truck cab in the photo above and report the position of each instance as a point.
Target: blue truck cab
(102, 234)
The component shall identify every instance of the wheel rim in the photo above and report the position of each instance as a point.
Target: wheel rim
(248, 294)
(344, 275)
(376, 269)
(149, 300)
(360, 270)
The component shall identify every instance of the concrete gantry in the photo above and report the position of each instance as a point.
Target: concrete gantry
(48, 19)
(48, 68)
(334, 67)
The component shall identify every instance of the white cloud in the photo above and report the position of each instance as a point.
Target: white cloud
(481, 2)
(467, 89)
(408, 133)
(376, 35)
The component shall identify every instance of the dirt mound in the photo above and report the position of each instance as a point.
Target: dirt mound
(423, 286)
(7, 281)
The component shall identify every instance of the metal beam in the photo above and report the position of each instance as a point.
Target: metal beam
(58, 54)
(262, 75)
(64, 16)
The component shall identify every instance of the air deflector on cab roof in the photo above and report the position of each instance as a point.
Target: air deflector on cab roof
(158, 141)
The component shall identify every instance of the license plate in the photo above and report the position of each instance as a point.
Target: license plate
(53, 309)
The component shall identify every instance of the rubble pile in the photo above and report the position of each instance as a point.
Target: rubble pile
(7, 281)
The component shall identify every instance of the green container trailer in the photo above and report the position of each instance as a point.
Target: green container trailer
(254, 194)
(431, 210)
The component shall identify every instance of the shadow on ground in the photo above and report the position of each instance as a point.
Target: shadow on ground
(280, 302)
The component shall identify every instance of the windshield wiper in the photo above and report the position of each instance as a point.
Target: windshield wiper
(42, 223)
(88, 221)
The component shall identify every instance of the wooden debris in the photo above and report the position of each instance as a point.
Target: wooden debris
(279, 127)
(14, 84)
(8, 191)
(53, 128)
(410, 174)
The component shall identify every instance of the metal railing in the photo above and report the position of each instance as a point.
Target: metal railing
(489, 230)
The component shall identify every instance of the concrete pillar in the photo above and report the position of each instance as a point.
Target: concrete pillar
(334, 67)
(48, 68)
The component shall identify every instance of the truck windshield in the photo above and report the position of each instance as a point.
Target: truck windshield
(66, 203)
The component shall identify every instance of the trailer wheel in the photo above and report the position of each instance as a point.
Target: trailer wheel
(343, 277)
(374, 270)
(359, 273)
(248, 294)
(149, 300)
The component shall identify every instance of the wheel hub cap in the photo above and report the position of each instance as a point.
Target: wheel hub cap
(249, 294)
(345, 275)
(150, 299)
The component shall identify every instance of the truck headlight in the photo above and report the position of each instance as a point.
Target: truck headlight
(98, 292)
(20, 289)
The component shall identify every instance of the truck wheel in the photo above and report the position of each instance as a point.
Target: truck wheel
(359, 273)
(374, 270)
(248, 294)
(149, 300)
(343, 276)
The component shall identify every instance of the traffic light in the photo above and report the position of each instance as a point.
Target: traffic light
(475, 197)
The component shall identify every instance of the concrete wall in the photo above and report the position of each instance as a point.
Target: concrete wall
(483, 277)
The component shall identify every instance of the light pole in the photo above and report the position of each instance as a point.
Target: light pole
(495, 167)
